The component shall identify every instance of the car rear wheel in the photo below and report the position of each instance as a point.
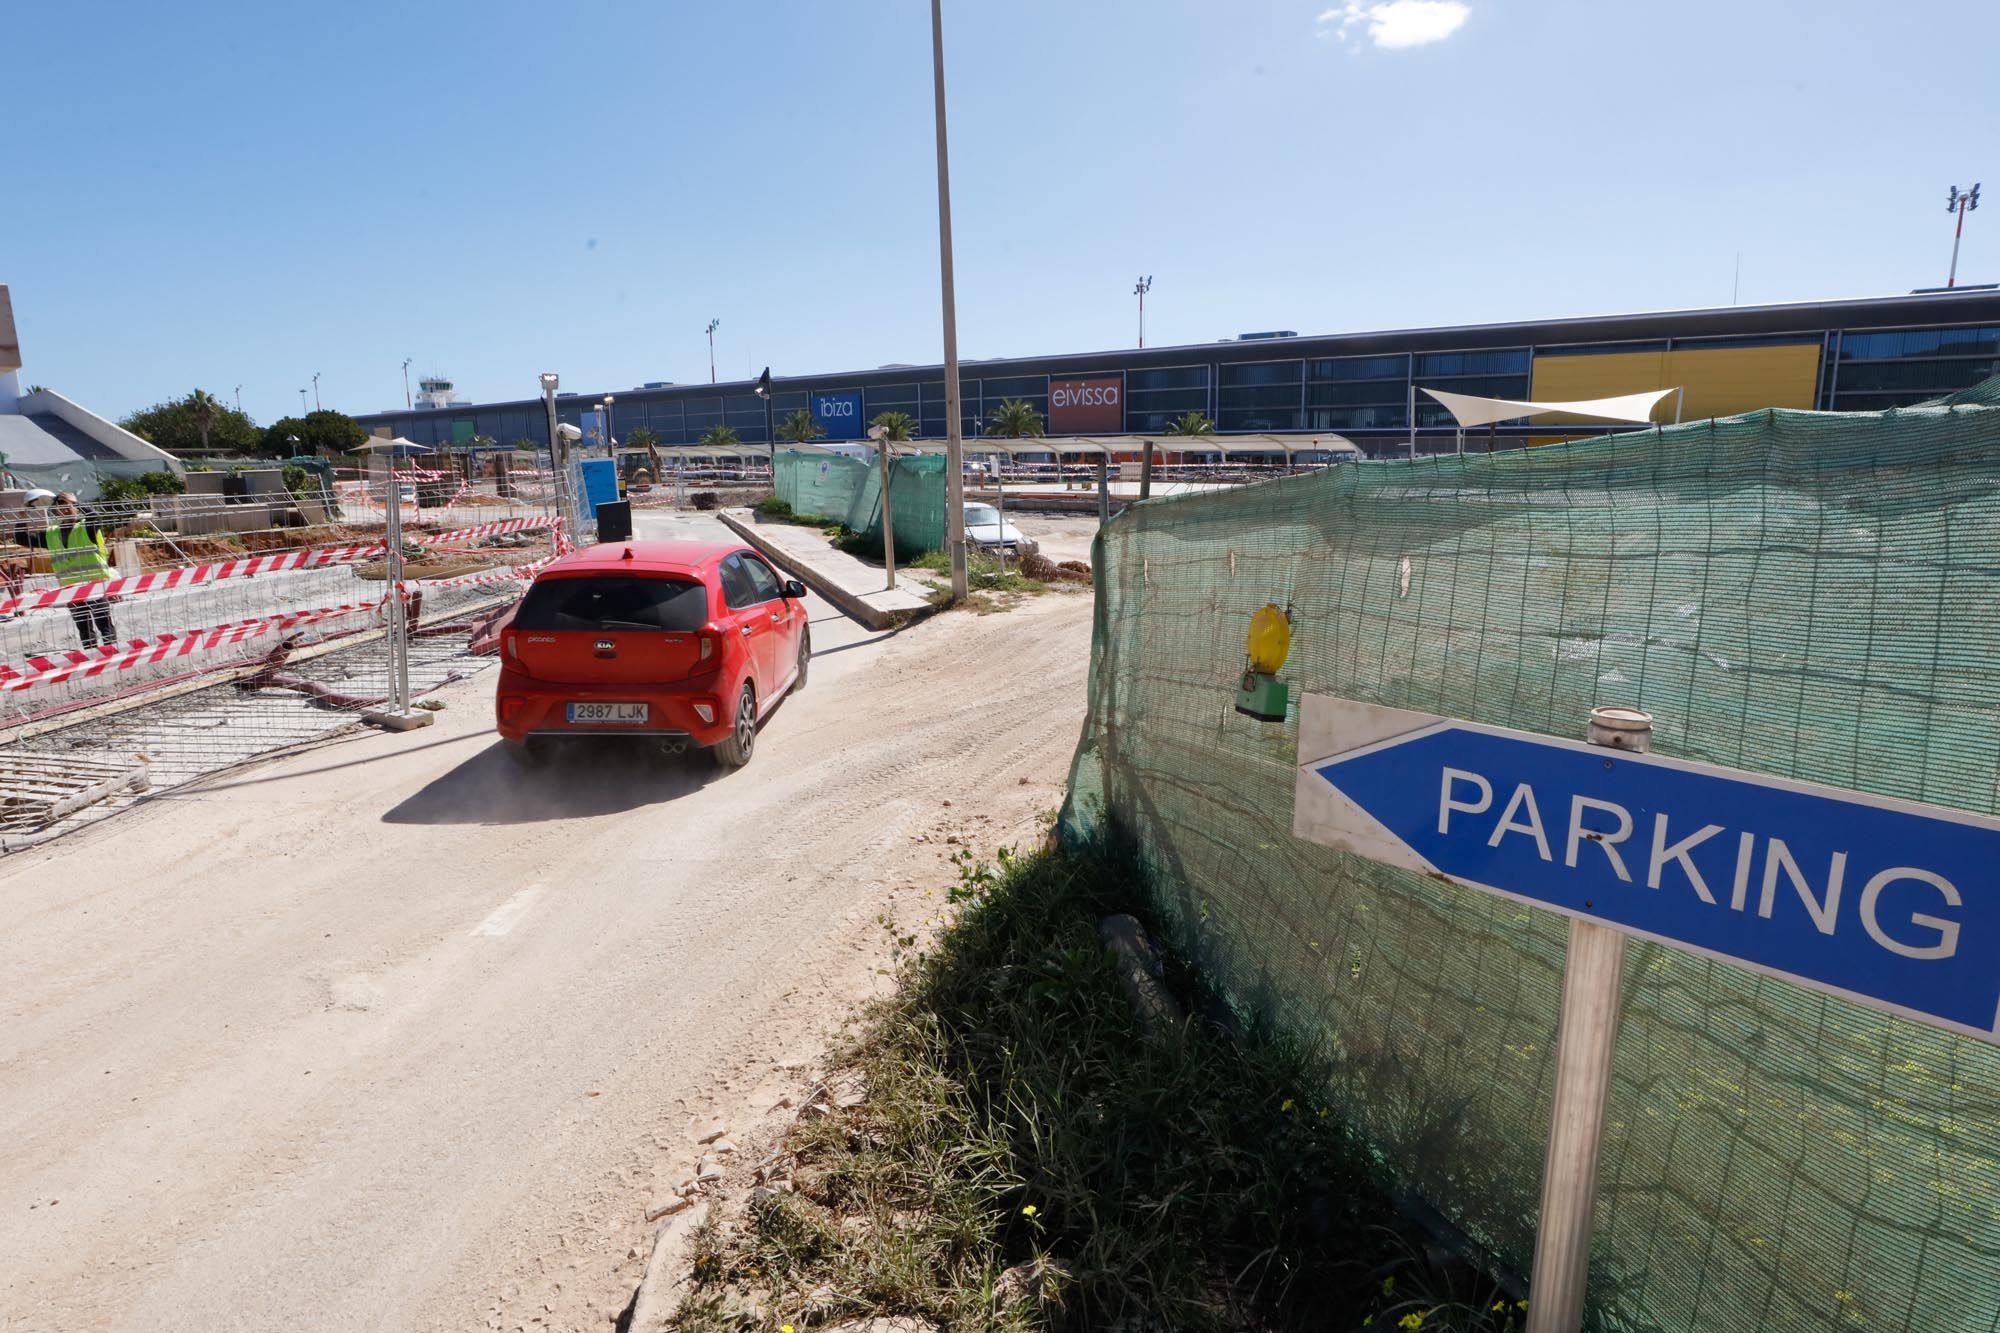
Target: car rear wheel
(735, 751)
(805, 656)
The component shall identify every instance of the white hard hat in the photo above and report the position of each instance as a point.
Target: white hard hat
(39, 497)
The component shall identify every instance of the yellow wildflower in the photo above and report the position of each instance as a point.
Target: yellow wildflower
(1029, 1211)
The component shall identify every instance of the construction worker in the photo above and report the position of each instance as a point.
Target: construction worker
(77, 555)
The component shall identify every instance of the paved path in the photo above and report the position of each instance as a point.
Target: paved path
(391, 1036)
(857, 578)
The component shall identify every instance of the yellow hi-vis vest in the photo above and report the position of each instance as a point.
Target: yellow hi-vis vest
(76, 556)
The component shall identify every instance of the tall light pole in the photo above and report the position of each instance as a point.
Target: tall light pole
(239, 398)
(954, 475)
(1139, 289)
(302, 402)
(406, 383)
(762, 388)
(1961, 204)
(713, 325)
(559, 472)
(315, 391)
(610, 440)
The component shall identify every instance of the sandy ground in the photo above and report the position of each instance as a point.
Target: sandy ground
(388, 1035)
(1062, 536)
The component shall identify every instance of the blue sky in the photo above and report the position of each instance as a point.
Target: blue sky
(232, 193)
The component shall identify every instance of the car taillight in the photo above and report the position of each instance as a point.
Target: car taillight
(706, 712)
(513, 646)
(708, 643)
(511, 706)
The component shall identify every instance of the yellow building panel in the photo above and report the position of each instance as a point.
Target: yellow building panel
(1719, 381)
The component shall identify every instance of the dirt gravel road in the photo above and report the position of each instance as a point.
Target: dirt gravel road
(390, 1036)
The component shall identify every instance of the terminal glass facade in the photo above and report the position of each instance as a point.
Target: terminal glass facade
(1839, 356)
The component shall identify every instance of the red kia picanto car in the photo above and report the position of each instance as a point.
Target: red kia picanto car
(686, 643)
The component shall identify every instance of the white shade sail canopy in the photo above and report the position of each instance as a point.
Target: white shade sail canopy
(1474, 411)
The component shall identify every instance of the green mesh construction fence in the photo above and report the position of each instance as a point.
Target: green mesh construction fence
(1795, 593)
(849, 490)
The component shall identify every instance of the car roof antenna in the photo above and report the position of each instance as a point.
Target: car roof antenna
(627, 555)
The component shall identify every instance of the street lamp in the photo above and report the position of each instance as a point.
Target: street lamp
(315, 391)
(762, 388)
(558, 469)
(610, 440)
(302, 402)
(1961, 204)
(954, 479)
(1139, 290)
(713, 325)
(406, 383)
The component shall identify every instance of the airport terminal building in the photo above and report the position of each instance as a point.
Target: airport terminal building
(1832, 355)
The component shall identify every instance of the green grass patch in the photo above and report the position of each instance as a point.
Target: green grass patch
(771, 507)
(1018, 1123)
(983, 575)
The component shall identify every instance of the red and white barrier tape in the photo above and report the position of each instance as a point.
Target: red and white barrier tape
(486, 530)
(166, 647)
(518, 573)
(188, 576)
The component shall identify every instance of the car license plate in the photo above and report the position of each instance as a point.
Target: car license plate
(602, 713)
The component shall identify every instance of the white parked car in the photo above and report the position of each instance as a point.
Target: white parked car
(984, 529)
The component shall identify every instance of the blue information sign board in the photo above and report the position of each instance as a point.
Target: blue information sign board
(838, 414)
(1888, 902)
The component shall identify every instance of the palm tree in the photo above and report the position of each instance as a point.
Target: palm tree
(1015, 419)
(1193, 423)
(896, 426)
(202, 410)
(723, 436)
(645, 437)
(800, 426)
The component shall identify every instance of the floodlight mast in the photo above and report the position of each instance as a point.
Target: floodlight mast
(1960, 202)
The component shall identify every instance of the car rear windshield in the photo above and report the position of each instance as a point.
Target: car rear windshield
(620, 602)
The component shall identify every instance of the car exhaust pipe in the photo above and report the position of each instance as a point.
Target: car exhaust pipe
(673, 747)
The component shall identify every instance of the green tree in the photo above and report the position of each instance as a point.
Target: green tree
(1192, 423)
(1015, 419)
(645, 437)
(38, 388)
(198, 423)
(896, 425)
(800, 426)
(722, 436)
(323, 432)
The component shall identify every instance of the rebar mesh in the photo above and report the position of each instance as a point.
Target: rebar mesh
(1809, 595)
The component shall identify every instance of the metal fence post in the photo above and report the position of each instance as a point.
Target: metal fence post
(888, 531)
(399, 625)
(1103, 487)
(1588, 1032)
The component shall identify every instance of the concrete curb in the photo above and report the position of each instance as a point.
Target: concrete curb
(650, 1306)
(849, 604)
